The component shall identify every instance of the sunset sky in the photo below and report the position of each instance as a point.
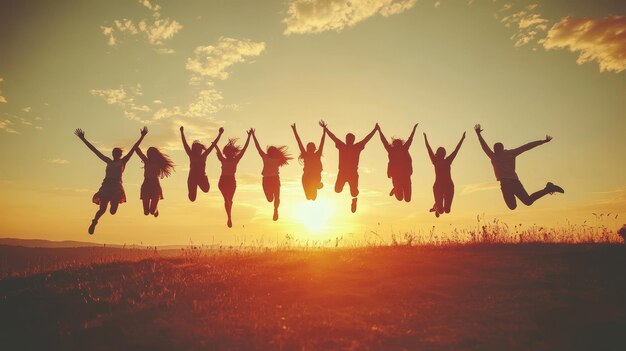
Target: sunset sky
(522, 69)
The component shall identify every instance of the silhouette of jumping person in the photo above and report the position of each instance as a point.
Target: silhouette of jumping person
(155, 165)
(274, 158)
(400, 165)
(443, 189)
(230, 158)
(503, 162)
(349, 153)
(197, 164)
(312, 160)
(112, 190)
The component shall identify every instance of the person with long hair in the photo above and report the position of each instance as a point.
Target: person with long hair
(503, 162)
(273, 158)
(197, 164)
(400, 165)
(349, 154)
(112, 189)
(230, 157)
(311, 158)
(155, 165)
(443, 189)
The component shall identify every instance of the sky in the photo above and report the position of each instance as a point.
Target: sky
(522, 69)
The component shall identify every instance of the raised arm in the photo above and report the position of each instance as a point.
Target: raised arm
(256, 143)
(182, 136)
(245, 146)
(531, 145)
(331, 135)
(321, 147)
(143, 132)
(295, 132)
(409, 141)
(210, 148)
(430, 150)
(456, 150)
(141, 154)
(81, 135)
(218, 153)
(369, 136)
(482, 141)
(383, 139)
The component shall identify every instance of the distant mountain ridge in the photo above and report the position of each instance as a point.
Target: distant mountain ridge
(52, 244)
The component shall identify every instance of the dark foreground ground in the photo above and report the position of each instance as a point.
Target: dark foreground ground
(491, 297)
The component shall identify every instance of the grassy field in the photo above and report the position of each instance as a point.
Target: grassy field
(461, 297)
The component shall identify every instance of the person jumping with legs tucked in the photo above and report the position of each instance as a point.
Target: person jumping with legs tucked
(400, 166)
(349, 153)
(312, 160)
(232, 153)
(112, 190)
(273, 158)
(197, 164)
(443, 189)
(156, 165)
(503, 162)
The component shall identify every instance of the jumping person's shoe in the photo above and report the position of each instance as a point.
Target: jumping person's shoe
(320, 185)
(92, 227)
(156, 213)
(275, 218)
(552, 188)
(392, 192)
(353, 206)
(229, 223)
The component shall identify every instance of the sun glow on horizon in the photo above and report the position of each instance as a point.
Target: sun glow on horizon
(314, 215)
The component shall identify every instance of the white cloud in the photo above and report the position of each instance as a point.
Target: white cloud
(602, 40)
(124, 97)
(315, 16)
(3, 100)
(7, 126)
(156, 31)
(27, 109)
(58, 161)
(213, 61)
(527, 24)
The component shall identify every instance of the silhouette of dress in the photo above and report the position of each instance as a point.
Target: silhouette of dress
(112, 188)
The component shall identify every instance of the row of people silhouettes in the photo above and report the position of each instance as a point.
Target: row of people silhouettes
(158, 165)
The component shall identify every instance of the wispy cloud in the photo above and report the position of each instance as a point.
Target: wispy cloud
(476, 187)
(527, 23)
(58, 161)
(125, 97)
(7, 126)
(602, 40)
(213, 61)
(315, 16)
(156, 31)
(3, 100)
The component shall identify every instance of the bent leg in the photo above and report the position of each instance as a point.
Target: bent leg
(153, 205)
(146, 206)
(448, 196)
(101, 210)
(353, 181)
(408, 189)
(203, 183)
(340, 183)
(267, 189)
(192, 188)
(398, 188)
(438, 193)
(508, 193)
(114, 205)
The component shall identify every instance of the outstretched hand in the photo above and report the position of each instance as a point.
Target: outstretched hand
(221, 130)
(250, 131)
(547, 139)
(377, 126)
(478, 129)
(144, 130)
(182, 129)
(293, 126)
(463, 137)
(322, 124)
(79, 133)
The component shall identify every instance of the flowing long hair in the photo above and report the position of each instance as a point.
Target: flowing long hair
(163, 161)
(231, 149)
(279, 153)
(306, 152)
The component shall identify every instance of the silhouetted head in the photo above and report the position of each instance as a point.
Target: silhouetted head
(498, 148)
(440, 153)
(310, 147)
(231, 149)
(397, 143)
(117, 153)
(165, 164)
(279, 153)
(197, 148)
(350, 138)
